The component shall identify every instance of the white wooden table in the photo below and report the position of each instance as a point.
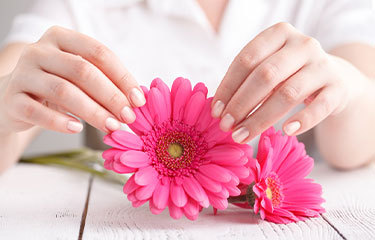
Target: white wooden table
(39, 202)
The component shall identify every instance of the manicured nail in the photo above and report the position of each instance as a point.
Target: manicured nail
(112, 124)
(240, 134)
(217, 109)
(137, 97)
(226, 122)
(292, 127)
(127, 115)
(74, 126)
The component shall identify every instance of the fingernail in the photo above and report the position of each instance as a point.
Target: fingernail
(217, 109)
(226, 122)
(74, 126)
(112, 124)
(292, 127)
(240, 134)
(127, 115)
(137, 97)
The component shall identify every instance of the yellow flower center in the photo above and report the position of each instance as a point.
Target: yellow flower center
(175, 150)
(269, 193)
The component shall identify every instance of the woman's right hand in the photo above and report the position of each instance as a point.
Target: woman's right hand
(67, 72)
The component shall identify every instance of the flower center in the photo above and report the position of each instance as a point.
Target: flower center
(175, 150)
(273, 191)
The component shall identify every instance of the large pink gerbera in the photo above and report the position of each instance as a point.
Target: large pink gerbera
(180, 157)
(280, 191)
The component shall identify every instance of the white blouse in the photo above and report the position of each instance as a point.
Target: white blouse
(171, 38)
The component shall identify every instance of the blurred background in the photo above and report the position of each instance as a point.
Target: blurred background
(48, 141)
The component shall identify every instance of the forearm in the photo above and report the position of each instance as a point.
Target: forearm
(347, 140)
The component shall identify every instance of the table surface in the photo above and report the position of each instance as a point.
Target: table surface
(40, 202)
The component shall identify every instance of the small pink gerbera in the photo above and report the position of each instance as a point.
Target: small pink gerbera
(179, 156)
(280, 191)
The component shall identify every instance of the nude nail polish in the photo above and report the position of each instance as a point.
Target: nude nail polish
(112, 124)
(127, 115)
(137, 97)
(240, 134)
(74, 126)
(217, 109)
(226, 122)
(292, 127)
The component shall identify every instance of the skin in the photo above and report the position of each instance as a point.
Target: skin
(36, 93)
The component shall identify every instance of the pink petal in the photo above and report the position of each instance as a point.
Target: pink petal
(194, 189)
(208, 183)
(107, 139)
(191, 217)
(217, 202)
(200, 87)
(215, 172)
(138, 203)
(154, 209)
(118, 167)
(157, 106)
(223, 194)
(178, 195)
(181, 97)
(205, 117)
(224, 154)
(174, 211)
(135, 159)
(164, 89)
(161, 194)
(191, 208)
(233, 190)
(145, 176)
(131, 197)
(215, 134)
(145, 192)
(130, 185)
(241, 172)
(141, 124)
(127, 139)
(193, 108)
(175, 86)
(109, 155)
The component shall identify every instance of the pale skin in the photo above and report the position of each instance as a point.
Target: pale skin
(43, 81)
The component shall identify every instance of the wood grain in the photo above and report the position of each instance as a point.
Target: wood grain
(111, 216)
(39, 202)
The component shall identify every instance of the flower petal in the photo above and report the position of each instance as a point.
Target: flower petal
(200, 87)
(217, 202)
(224, 154)
(194, 189)
(130, 185)
(181, 97)
(164, 90)
(145, 192)
(193, 108)
(141, 125)
(154, 209)
(215, 172)
(135, 159)
(208, 183)
(239, 171)
(157, 106)
(127, 139)
(175, 212)
(191, 208)
(178, 195)
(161, 194)
(205, 117)
(145, 176)
(107, 139)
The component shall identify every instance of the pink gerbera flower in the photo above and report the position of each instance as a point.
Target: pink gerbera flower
(280, 191)
(179, 156)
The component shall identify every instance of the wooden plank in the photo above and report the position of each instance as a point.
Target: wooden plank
(39, 202)
(111, 216)
(350, 199)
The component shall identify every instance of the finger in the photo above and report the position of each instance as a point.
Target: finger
(99, 55)
(261, 47)
(270, 73)
(91, 80)
(68, 96)
(321, 107)
(31, 111)
(291, 93)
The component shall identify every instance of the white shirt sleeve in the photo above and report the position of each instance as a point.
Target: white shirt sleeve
(345, 21)
(29, 26)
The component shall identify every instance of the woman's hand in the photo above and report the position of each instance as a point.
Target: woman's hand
(67, 72)
(279, 69)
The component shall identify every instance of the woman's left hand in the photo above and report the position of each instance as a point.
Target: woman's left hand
(279, 69)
